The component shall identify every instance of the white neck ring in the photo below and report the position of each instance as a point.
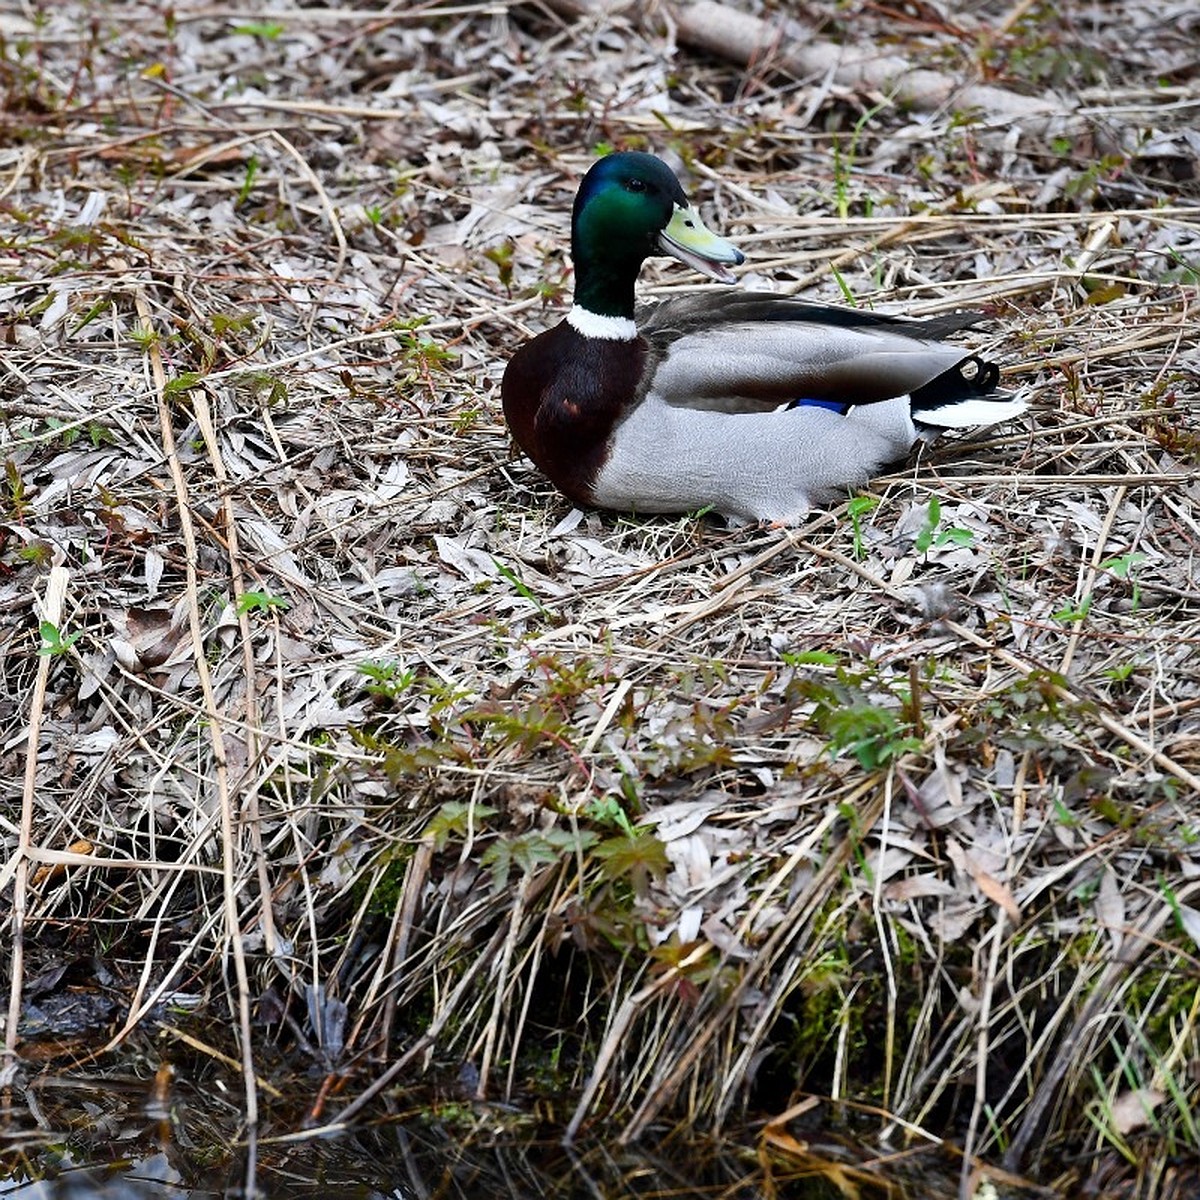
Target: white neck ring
(593, 325)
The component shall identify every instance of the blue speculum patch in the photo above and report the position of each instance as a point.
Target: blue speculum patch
(832, 405)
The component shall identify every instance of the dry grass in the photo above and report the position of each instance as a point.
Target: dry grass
(346, 726)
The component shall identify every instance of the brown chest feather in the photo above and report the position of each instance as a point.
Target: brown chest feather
(563, 394)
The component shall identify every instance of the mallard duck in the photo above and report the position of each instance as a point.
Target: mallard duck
(756, 405)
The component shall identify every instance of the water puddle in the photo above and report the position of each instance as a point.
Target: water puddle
(127, 1131)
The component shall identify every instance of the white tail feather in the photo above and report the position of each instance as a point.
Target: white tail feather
(978, 410)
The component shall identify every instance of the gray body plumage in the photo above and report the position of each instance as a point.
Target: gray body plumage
(752, 465)
(717, 423)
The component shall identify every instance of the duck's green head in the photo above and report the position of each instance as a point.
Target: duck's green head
(630, 206)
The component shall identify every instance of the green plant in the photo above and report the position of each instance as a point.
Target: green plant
(607, 810)
(53, 643)
(1136, 1097)
(1164, 424)
(92, 313)
(1085, 183)
(248, 180)
(183, 382)
(637, 855)
(844, 287)
(37, 552)
(1183, 272)
(843, 163)
(805, 658)
(928, 536)
(145, 339)
(421, 357)
(549, 291)
(848, 713)
(872, 734)
(259, 382)
(225, 324)
(1124, 566)
(502, 257)
(856, 509)
(14, 484)
(98, 434)
(257, 601)
(1074, 612)
(466, 418)
(519, 586)
(456, 819)
(528, 851)
(387, 680)
(1121, 672)
(268, 30)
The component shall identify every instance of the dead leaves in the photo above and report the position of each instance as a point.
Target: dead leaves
(338, 244)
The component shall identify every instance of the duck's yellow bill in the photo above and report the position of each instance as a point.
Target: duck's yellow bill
(688, 239)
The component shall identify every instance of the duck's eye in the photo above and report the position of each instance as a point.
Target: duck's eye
(635, 185)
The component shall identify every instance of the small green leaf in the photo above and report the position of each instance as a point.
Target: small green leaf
(520, 586)
(607, 810)
(260, 602)
(637, 856)
(847, 294)
(247, 181)
(53, 643)
(388, 680)
(454, 819)
(1074, 612)
(1122, 566)
(224, 323)
(99, 435)
(183, 382)
(528, 851)
(933, 517)
(957, 535)
(1121, 672)
(856, 507)
(263, 29)
(819, 658)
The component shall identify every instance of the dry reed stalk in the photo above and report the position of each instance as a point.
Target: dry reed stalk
(344, 661)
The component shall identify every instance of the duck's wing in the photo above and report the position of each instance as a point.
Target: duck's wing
(753, 352)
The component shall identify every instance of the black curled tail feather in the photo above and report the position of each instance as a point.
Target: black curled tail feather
(972, 377)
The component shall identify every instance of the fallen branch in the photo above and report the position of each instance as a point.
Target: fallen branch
(787, 45)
